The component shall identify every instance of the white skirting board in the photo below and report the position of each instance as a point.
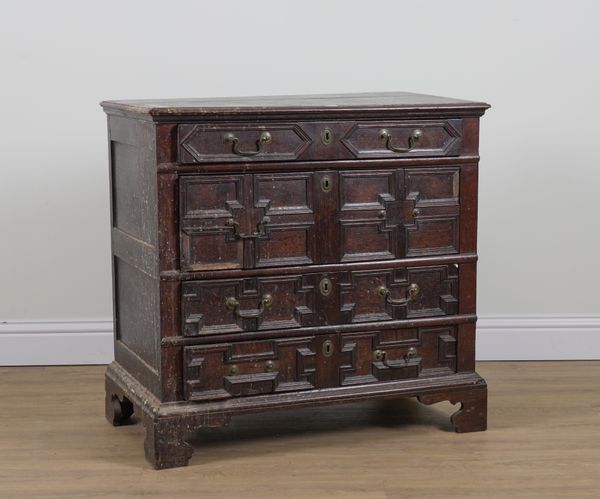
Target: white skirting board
(539, 337)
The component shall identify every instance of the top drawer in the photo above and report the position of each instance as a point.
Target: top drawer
(214, 143)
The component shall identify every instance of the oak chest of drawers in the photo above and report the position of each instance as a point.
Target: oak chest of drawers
(278, 252)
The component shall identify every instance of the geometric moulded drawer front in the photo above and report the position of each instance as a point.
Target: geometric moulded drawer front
(241, 221)
(245, 368)
(316, 299)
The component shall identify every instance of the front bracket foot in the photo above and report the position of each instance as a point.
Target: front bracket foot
(472, 415)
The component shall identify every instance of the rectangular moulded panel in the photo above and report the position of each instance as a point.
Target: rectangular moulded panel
(376, 356)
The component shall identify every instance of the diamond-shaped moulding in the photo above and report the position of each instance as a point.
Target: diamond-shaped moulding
(202, 143)
(438, 138)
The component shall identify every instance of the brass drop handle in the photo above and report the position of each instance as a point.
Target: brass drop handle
(413, 140)
(381, 356)
(230, 138)
(260, 228)
(413, 290)
(232, 304)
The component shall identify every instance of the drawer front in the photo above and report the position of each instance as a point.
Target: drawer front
(282, 302)
(405, 139)
(279, 365)
(278, 219)
(254, 142)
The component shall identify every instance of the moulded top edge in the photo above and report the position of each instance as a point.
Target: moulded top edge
(294, 105)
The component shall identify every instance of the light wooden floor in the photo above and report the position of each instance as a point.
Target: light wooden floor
(543, 441)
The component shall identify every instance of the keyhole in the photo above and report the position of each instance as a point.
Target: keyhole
(325, 287)
(327, 348)
(326, 136)
(326, 184)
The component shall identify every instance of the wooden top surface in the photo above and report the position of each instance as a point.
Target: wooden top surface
(294, 104)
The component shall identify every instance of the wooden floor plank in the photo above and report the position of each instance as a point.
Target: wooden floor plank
(543, 441)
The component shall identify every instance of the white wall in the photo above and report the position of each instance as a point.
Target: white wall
(537, 63)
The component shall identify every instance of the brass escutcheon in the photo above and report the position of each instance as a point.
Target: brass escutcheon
(326, 136)
(327, 348)
(326, 184)
(233, 369)
(325, 287)
(269, 365)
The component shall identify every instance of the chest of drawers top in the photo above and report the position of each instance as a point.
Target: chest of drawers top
(363, 104)
(210, 132)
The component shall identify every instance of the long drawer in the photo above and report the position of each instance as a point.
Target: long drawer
(315, 299)
(278, 219)
(236, 369)
(248, 142)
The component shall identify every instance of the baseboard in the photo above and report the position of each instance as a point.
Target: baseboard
(539, 337)
(46, 343)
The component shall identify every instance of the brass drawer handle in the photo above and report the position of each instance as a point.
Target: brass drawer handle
(260, 226)
(232, 304)
(230, 138)
(413, 140)
(381, 356)
(413, 290)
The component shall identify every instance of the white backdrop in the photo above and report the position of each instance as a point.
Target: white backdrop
(536, 62)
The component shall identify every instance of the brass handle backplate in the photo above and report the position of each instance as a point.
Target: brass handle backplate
(233, 304)
(230, 138)
(261, 230)
(413, 140)
(413, 290)
(381, 356)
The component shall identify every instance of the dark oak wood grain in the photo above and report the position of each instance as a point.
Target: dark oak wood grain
(287, 251)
